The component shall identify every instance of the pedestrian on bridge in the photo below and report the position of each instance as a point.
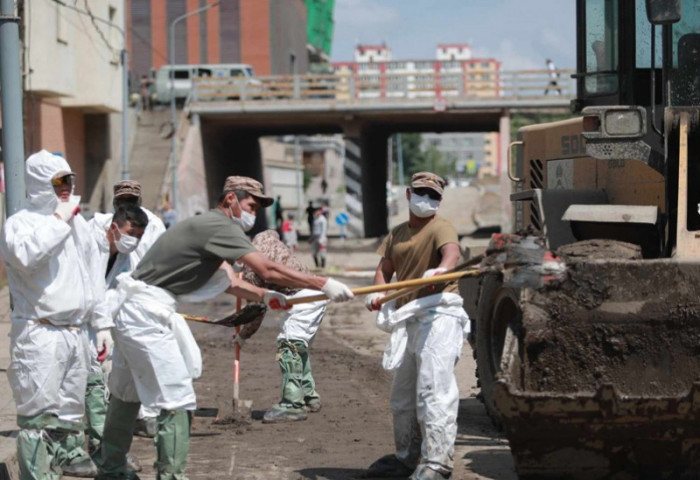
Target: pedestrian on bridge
(427, 334)
(553, 78)
(155, 356)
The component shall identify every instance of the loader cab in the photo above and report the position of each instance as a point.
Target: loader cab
(615, 39)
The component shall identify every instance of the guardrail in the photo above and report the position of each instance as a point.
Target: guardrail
(353, 87)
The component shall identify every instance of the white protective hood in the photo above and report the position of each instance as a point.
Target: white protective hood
(40, 169)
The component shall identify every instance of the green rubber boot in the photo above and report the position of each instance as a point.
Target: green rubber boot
(95, 411)
(45, 444)
(116, 441)
(172, 444)
(36, 462)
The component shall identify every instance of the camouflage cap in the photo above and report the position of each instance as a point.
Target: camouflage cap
(130, 188)
(247, 184)
(428, 180)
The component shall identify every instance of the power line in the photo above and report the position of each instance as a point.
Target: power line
(99, 31)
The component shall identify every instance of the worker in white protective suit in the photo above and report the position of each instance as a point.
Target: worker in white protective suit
(155, 357)
(427, 330)
(46, 249)
(298, 329)
(128, 192)
(117, 236)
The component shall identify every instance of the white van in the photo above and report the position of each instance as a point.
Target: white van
(183, 75)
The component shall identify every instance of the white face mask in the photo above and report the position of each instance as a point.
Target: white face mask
(126, 243)
(423, 206)
(247, 220)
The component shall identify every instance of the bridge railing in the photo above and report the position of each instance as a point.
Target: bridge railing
(371, 85)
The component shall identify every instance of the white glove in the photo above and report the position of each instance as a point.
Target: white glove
(105, 343)
(434, 271)
(337, 291)
(66, 210)
(276, 300)
(371, 301)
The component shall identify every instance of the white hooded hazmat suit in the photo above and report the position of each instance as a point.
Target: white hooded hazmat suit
(51, 284)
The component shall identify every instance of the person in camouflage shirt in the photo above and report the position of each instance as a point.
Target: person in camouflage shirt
(299, 326)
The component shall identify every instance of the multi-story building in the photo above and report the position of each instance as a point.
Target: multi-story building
(269, 35)
(374, 74)
(453, 72)
(73, 86)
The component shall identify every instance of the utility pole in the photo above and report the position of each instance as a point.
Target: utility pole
(173, 123)
(11, 96)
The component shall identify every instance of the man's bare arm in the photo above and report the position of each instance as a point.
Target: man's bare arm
(385, 270)
(450, 254)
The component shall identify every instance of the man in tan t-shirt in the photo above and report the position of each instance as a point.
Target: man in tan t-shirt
(424, 397)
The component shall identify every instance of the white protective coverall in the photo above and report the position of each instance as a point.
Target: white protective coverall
(165, 361)
(301, 322)
(426, 342)
(51, 283)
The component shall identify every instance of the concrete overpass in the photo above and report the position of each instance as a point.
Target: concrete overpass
(229, 118)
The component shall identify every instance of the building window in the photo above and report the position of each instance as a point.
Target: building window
(61, 27)
(485, 64)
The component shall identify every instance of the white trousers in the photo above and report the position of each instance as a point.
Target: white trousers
(49, 369)
(424, 395)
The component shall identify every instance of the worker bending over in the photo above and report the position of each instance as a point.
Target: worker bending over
(299, 326)
(427, 334)
(155, 356)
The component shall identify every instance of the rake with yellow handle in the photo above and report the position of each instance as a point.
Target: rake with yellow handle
(453, 274)
(409, 290)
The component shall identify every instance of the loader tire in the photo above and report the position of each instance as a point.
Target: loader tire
(498, 310)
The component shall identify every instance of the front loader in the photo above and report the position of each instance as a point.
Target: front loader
(595, 373)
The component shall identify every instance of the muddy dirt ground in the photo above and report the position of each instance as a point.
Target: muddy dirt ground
(353, 428)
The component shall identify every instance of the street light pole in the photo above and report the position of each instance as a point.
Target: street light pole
(11, 92)
(173, 140)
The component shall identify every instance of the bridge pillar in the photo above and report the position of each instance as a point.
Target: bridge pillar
(374, 178)
(228, 152)
(353, 186)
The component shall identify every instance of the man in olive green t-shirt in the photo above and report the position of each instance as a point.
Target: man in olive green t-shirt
(155, 358)
(424, 396)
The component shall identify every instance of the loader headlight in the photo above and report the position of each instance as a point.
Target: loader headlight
(625, 123)
(614, 122)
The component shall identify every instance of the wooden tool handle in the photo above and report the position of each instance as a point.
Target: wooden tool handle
(415, 282)
(195, 318)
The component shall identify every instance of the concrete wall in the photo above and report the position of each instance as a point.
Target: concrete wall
(67, 57)
(288, 38)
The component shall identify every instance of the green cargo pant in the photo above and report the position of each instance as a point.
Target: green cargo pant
(45, 444)
(298, 385)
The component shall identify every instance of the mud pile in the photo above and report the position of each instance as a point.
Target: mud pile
(633, 324)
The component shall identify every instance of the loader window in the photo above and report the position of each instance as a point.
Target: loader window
(643, 39)
(602, 47)
(685, 84)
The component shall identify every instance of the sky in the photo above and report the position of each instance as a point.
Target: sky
(519, 33)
